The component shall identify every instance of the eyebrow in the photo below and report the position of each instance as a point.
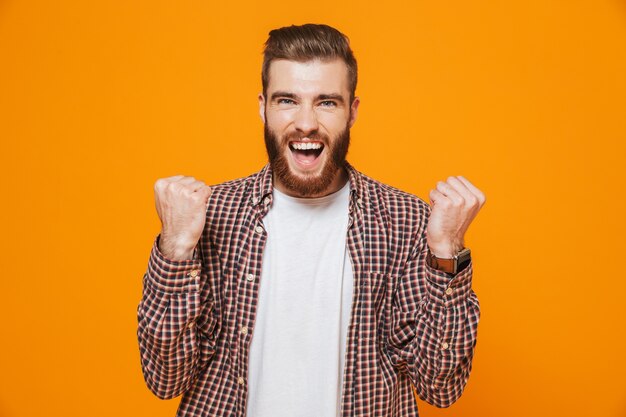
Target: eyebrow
(336, 97)
(284, 94)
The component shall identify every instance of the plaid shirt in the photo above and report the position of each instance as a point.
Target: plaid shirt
(412, 328)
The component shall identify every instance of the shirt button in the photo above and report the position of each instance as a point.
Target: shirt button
(444, 346)
(244, 330)
(250, 277)
(449, 291)
(193, 273)
(241, 381)
(359, 202)
(258, 229)
(266, 201)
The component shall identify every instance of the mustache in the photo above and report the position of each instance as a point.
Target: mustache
(295, 136)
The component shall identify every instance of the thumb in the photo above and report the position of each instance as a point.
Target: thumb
(207, 191)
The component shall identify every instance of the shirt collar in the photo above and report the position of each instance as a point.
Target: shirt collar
(357, 188)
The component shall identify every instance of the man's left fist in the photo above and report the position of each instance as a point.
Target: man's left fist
(454, 205)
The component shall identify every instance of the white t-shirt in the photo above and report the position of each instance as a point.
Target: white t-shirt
(299, 337)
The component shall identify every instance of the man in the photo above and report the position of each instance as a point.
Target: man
(308, 289)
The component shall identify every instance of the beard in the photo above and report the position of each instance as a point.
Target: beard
(308, 184)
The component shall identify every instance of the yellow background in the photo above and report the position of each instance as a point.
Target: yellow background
(526, 98)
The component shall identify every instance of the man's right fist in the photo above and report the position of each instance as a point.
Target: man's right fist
(181, 203)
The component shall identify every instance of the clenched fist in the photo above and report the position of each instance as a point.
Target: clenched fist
(454, 203)
(181, 204)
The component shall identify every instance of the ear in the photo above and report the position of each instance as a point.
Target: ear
(262, 107)
(354, 109)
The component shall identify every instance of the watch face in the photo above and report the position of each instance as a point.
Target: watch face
(463, 255)
(462, 259)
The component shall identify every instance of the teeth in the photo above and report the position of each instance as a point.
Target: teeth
(301, 146)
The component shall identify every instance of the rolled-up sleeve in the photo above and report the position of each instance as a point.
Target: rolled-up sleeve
(167, 332)
(433, 335)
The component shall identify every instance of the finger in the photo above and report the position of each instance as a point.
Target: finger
(196, 185)
(479, 194)
(175, 178)
(201, 193)
(187, 180)
(449, 192)
(207, 191)
(435, 197)
(457, 184)
(469, 198)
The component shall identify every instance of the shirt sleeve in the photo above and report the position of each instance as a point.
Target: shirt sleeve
(169, 341)
(434, 328)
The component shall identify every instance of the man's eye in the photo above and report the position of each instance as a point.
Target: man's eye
(285, 101)
(328, 103)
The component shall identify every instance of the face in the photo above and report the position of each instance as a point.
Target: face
(308, 115)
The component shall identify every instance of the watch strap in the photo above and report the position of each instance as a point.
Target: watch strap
(449, 265)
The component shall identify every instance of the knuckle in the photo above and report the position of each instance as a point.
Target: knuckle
(176, 188)
(162, 184)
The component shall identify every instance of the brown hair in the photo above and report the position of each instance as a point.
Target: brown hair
(306, 43)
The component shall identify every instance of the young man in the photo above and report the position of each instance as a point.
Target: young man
(308, 289)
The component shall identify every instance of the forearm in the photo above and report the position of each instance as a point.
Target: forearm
(168, 339)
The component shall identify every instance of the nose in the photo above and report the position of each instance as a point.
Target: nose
(306, 120)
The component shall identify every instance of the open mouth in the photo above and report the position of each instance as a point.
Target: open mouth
(306, 153)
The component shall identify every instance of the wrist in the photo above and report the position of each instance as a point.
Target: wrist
(175, 250)
(445, 250)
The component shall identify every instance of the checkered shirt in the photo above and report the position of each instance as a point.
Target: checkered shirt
(412, 328)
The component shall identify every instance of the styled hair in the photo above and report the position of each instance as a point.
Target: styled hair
(307, 43)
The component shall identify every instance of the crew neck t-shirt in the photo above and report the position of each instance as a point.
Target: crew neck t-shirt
(298, 342)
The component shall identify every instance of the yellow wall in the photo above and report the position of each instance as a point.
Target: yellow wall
(527, 98)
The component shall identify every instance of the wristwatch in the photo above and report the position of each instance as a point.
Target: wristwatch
(449, 265)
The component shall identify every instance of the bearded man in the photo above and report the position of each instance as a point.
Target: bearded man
(308, 289)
